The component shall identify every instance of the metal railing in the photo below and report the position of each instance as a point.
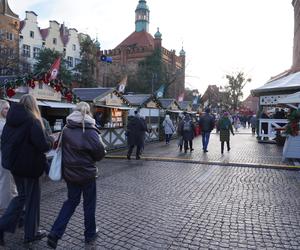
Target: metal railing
(267, 128)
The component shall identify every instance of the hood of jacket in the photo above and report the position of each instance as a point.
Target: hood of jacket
(17, 115)
(76, 119)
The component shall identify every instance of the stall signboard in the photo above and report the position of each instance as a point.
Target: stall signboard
(151, 104)
(44, 92)
(174, 106)
(270, 99)
(113, 100)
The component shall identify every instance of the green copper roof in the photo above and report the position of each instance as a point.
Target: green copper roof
(157, 34)
(142, 5)
(182, 52)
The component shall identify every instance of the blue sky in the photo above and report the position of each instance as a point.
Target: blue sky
(220, 36)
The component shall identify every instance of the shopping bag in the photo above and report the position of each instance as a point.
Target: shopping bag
(55, 167)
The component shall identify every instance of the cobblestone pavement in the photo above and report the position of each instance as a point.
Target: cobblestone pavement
(169, 205)
(244, 149)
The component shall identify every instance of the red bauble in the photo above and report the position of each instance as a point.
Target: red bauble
(57, 87)
(10, 92)
(69, 96)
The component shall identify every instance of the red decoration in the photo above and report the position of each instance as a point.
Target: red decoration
(57, 87)
(69, 96)
(31, 83)
(10, 92)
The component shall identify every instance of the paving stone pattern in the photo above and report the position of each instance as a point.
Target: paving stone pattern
(167, 205)
(244, 149)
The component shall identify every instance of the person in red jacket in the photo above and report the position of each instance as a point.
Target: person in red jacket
(82, 147)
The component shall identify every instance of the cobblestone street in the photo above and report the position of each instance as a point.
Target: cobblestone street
(168, 205)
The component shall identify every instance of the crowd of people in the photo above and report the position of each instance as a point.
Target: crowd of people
(26, 137)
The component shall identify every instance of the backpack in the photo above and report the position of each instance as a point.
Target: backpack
(187, 126)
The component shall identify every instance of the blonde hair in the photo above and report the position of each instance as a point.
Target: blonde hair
(30, 104)
(3, 103)
(85, 109)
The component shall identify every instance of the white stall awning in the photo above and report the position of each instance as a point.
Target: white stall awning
(291, 99)
(62, 105)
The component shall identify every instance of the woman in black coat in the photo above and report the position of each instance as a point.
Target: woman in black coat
(24, 143)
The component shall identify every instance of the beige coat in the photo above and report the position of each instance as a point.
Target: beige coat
(7, 185)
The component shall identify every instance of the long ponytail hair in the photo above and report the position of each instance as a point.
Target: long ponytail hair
(30, 104)
(84, 109)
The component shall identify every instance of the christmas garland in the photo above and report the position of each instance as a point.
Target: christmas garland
(292, 128)
(31, 81)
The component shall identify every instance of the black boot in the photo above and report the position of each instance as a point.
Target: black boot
(2, 238)
(222, 147)
(228, 146)
(52, 241)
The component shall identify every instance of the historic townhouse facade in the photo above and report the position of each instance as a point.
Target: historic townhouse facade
(57, 37)
(9, 40)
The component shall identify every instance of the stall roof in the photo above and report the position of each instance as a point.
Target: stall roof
(59, 104)
(137, 99)
(48, 103)
(166, 103)
(289, 82)
(40, 103)
(184, 104)
(290, 99)
(89, 94)
(113, 107)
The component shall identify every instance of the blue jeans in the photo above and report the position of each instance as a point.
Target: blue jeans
(29, 195)
(205, 139)
(168, 137)
(89, 208)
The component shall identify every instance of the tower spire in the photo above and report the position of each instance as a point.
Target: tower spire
(142, 16)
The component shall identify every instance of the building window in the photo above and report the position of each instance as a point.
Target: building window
(70, 61)
(9, 36)
(26, 50)
(36, 52)
(77, 61)
(74, 46)
(54, 41)
(26, 68)
(31, 34)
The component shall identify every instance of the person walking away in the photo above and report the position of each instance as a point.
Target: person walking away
(7, 186)
(135, 135)
(143, 119)
(188, 130)
(82, 147)
(180, 132)
(207, 124)
(236, 123)
(225, 129)
(264, 125)
(24, 144)
(253, 122)
(169, 128)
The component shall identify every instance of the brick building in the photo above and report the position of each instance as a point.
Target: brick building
(137, 47)
(9, 40)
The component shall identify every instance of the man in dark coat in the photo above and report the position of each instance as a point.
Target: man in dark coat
(207, 123)
(136, 129)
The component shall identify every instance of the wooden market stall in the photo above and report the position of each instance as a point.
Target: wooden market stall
(54, 108)
(270, 95)
(110, 110)
(291, 147)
